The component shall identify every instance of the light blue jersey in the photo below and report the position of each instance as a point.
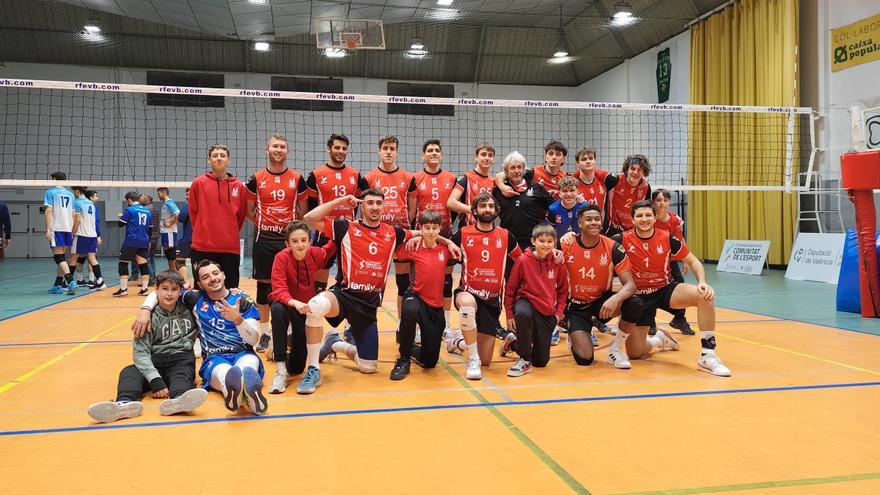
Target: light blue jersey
(88, 217)
(61, 200)
(169, 209)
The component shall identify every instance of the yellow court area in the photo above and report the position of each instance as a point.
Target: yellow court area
(798, 417)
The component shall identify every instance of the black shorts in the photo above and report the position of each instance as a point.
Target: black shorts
(128, 253)
(487, 317)
(319, 240)
(657, 299)
(580, 316)
(357, 308)
(263, 255)
(183, 248)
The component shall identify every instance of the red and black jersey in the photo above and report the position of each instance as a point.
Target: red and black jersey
(549, 181)
(591, 269)
(673, 225)
(427, 272)
(432, 192)
(327, 183)
(621, 197)
(397, 187)
(276, 196)
(484, 258)
(364, 253)
(596, 191)
(650, 258)
(471, 184)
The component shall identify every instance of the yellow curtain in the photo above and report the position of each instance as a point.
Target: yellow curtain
(743, 55)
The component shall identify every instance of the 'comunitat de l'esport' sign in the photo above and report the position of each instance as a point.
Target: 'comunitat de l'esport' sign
(816, 257)
(743, 256)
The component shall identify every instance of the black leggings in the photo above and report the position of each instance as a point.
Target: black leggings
(178, 370)
(283, 316)
(533, 332)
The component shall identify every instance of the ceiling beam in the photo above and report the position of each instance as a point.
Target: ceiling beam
(479, 54)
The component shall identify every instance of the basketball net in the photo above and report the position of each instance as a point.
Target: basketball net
(351, 40)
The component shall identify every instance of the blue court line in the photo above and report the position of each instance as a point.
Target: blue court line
(73, 342)
(439, 407)
(782, 318)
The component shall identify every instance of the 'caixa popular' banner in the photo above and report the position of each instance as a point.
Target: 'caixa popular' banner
(855, 44)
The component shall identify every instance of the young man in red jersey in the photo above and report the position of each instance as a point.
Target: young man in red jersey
(217, 210)
(472, 183)
(534, 299)
(590, 179)
(433, 188)
(366, 248)
(293, 285)
(547, 175)
(486, 251)
(650, 251)
(624, 190)
(423, 303)
(276, 197)
(670, 222)
(331, 181)
(399, 189)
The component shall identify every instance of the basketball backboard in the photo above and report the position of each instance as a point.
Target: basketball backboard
(350, 34)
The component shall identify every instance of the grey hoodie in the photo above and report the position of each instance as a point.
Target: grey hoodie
(172, 332)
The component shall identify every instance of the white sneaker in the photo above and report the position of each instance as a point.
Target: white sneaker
(506, 346)
(279, 383)
(186, 402)
(668, 343)
(618, 359)
(107, 412)
(455, 345)
(711, 363)
(520, 368)
(474, 371)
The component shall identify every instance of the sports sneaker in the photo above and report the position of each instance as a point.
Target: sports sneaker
(264, 343)
(594, 339)
(447, 334)
(348, 335)
(120, 293)
(681, 324)
(618, 359)
(520, 368)
(279, 383)
(554, 337)
(711, 363)
(107, 412)
(144, 292)
(186, 402)
(57, 289)
(82, 282)
(668, 343)
(71, 288)
(311, 380)
(253, 392)
(418, 339)
(327, 349)
(507, 344)
(401, 369)
(601, 326)
(474, 372)
(98, 284)
(234, 387)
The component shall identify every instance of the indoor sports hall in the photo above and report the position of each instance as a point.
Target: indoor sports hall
(761, 118)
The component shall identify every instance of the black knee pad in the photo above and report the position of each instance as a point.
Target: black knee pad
(59, 258)
(582, 361)
(123, 268)
(263, 291)
(170, 254)
(402, 283)
(631, 309)
(447, 285)
(144, 269)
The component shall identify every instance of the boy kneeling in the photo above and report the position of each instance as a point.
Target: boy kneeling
(164, 364)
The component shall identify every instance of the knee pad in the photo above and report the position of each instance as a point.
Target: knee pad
(467, 315)
(402, 283)
(319, 306)
(170, 253)
(367, 365)
(59, 258)
(582, 361)
(631, 309)
(263, 291)
(123, 269)
(144, 269)
(447, 285)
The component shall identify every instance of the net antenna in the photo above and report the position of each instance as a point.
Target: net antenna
(349, 34)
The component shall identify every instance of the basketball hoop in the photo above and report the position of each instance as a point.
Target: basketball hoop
(350, 39)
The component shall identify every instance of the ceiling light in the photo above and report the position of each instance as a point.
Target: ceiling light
(416, 53)
(622, 11)
(444, 14)
(334, 53)
(444, 2)
(258, 2)
(560, 60)
(561, 52)
(417, 44)
(92, 27)
(262, 46)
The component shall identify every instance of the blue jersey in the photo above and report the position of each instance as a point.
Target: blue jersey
(563, 219)
(138, 222)
(219, 335)
(88, 215)
(61, 200)
(186, 233)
